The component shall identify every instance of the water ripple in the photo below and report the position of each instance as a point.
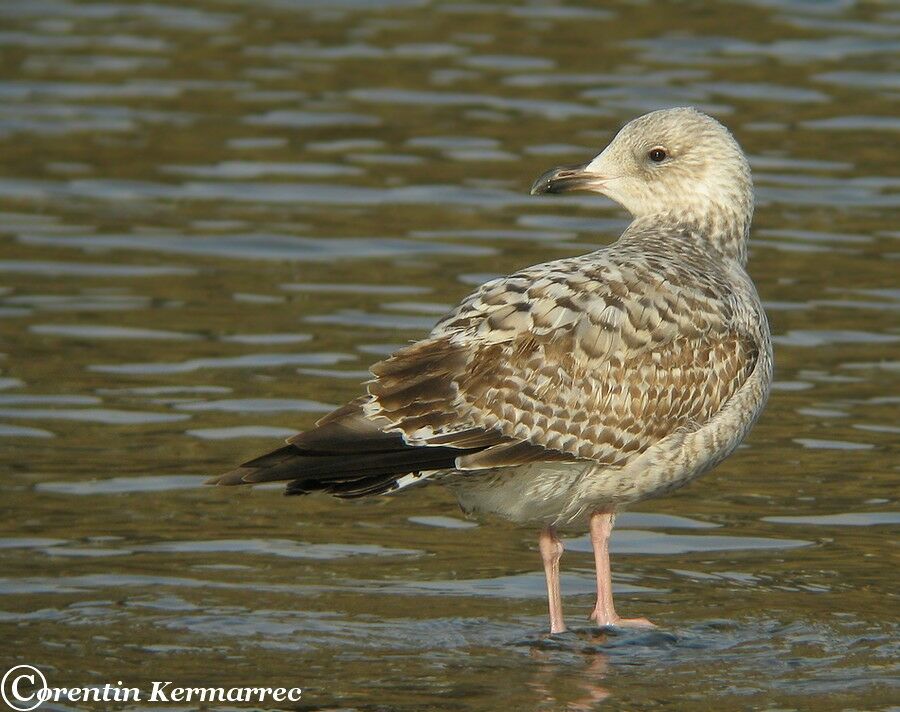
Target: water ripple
(263, 360)
(261, 246)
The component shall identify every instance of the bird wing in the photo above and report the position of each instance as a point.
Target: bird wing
(581, 359)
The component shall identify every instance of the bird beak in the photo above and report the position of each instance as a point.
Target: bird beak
(566, 178)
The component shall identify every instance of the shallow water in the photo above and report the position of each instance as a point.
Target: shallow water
(214, 216)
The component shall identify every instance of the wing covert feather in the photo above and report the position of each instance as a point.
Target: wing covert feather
(596, 365)
(594, 358)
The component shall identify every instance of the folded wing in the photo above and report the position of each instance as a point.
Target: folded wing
(549, 364)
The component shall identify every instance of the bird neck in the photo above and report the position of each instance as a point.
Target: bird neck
(719, 227)
(721, 231)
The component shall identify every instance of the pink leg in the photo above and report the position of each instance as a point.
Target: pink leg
(604, 612)
(551, 551)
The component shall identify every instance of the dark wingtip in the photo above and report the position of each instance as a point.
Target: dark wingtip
(542, 184)
(234, 477)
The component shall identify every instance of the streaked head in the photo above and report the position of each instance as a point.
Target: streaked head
(677, 161)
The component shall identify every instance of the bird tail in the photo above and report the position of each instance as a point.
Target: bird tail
(345, 455)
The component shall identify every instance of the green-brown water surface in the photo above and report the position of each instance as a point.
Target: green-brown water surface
(215, 215)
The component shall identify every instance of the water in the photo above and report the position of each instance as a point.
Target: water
(214, 216)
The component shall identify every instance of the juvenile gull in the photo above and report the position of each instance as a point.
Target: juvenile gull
(576, 387)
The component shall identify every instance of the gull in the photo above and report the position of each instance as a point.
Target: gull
(571, 389)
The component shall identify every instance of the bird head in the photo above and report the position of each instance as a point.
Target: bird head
(679, 162)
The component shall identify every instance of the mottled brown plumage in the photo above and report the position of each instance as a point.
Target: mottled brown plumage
(579, 385)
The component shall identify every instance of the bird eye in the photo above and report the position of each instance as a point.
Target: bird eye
(657, 155)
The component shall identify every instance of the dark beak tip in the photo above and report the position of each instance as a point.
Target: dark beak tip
(559, 180)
